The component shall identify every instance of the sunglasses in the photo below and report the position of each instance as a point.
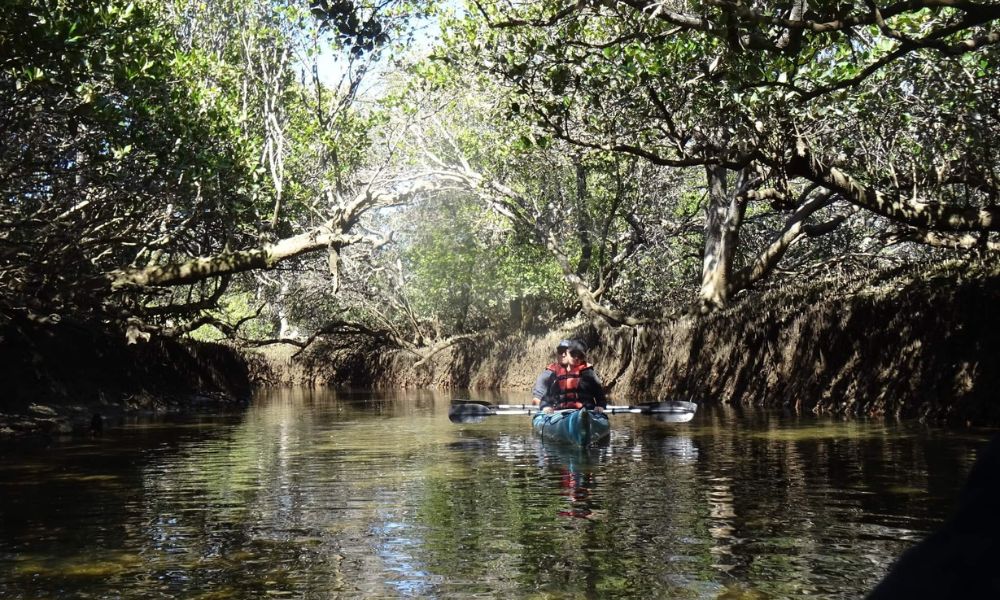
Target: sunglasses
(573, 353)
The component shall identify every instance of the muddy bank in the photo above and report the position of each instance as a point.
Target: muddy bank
(918, 342)
(68, 377)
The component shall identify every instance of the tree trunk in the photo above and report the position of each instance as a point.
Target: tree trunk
(724, 216)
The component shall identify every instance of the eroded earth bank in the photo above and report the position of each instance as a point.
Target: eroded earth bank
(913, 343)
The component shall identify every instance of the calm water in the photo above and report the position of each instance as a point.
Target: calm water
(313, 494)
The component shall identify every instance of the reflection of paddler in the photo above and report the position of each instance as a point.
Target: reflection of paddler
(576, 486)
(576, 479)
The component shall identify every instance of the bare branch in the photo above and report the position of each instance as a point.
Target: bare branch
(966, 241)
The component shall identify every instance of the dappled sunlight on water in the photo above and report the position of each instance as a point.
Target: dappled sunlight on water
(315, 494)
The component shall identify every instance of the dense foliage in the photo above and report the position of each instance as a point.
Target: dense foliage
(283, 168)
(117, 150)
(798, 109)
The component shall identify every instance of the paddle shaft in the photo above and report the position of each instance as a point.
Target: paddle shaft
(507, 409)
(665, 406)
(661, 407)
(475, 412)
(534, 407)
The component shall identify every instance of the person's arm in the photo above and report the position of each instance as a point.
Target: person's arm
(540, 391)
(600, 396)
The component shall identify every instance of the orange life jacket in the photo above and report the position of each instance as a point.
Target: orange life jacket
(567, 383)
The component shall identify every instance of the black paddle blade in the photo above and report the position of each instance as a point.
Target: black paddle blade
(468, 413)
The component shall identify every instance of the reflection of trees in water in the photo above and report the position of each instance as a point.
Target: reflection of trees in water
(624, 544)
(818, 504)
(365, 496)
(722, 513)
(306, 495)
(765, 502)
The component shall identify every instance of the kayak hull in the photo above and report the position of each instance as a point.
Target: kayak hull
(576, 427)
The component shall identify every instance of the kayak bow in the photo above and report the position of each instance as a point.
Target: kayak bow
(579, 427)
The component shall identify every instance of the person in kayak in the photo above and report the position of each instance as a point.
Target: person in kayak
(570, 382)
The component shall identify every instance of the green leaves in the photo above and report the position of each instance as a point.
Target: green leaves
(708, 85)
(559, 78)
(108, 106)
(467, 267)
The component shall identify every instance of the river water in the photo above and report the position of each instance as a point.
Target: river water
(320, 494)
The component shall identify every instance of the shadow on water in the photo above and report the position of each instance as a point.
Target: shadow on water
(313, 493)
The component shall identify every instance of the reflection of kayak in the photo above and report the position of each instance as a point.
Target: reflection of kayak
(579, 427)
(572, 458)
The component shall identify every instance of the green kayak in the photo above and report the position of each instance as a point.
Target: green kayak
(578, 427)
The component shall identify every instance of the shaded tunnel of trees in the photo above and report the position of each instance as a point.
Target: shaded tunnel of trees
(423, 176)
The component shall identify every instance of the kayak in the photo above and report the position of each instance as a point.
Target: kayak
(579, 427)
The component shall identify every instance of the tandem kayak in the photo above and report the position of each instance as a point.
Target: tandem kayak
(578, 427)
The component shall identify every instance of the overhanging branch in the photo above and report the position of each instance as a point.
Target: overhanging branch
(333, 233)
(911, 211)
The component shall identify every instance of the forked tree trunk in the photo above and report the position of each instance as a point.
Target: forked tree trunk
(724, 216)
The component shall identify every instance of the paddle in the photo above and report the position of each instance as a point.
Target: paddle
(466, 411)
(470, 412)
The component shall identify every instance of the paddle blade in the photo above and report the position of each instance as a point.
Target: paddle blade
(468, 413)
(674, 411)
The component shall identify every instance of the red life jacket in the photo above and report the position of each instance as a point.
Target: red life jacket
(568, 385)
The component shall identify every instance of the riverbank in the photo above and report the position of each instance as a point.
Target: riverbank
(914, 343)
(909, 343)
(62, 377)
